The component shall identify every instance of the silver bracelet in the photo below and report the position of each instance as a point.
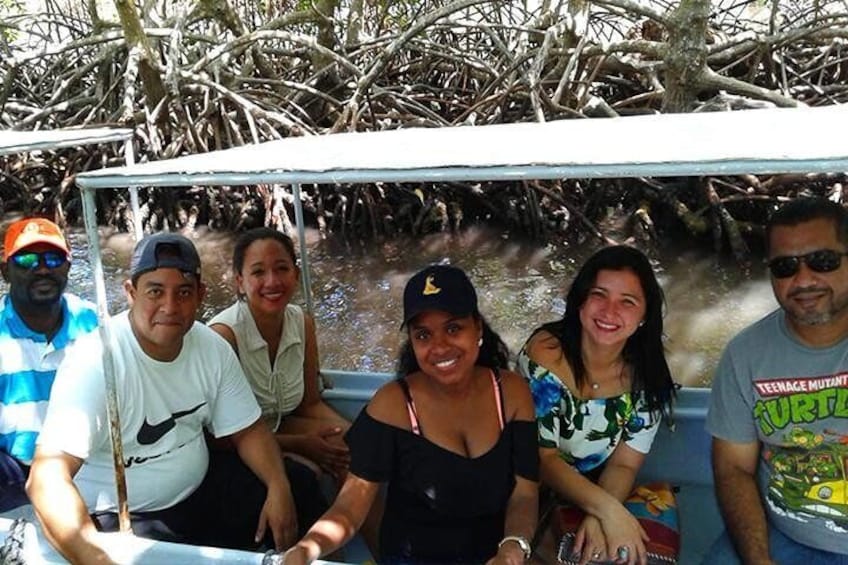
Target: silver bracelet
(522, 543)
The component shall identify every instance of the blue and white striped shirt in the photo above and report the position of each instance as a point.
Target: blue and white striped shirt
(28, 365)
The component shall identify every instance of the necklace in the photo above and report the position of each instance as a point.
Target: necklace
(595, 385)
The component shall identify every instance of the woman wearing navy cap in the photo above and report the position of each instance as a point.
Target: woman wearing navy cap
(453, 436)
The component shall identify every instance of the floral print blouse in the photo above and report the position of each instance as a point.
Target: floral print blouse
(586, 432)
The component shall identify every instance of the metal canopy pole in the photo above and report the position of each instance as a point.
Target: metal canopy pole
(129, 157)
(89, 207)
(305, 279)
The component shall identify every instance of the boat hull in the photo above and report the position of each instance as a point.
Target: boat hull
(680, 456)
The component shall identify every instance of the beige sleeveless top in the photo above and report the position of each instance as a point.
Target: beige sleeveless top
(278, 388)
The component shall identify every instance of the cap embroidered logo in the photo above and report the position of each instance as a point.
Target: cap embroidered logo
(430, 287)
(29, 231)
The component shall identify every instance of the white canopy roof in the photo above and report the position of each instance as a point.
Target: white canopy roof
(749, 141)
(21, 141)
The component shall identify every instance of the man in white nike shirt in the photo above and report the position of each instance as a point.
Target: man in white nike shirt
(174, 378)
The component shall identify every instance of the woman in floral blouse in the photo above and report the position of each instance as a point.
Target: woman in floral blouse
(601, 385)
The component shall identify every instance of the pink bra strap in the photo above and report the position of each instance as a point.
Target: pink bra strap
(410, 407)
(496, 385)
(413, 418)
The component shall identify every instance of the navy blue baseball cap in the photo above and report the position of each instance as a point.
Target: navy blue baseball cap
(164, 251)
(439, 287)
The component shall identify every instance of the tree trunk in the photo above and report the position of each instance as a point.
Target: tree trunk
(354, 23)
(328, 76)
(686, 55)
(151, 81)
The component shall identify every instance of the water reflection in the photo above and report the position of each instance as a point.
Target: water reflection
(708, 303)
(358, 291)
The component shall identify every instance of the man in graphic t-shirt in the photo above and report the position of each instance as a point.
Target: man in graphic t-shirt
(779, 405)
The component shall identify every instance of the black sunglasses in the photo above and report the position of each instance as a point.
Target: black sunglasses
(30, 260)
(820, 261)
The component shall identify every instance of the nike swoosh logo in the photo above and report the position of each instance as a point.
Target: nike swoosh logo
(149, 434)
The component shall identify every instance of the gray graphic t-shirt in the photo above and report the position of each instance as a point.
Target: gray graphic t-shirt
(794, 399)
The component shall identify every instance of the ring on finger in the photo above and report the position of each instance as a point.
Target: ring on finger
(623, 552)
(596, 555)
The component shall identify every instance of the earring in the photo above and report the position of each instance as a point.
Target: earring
(642, 323)
(480, 342)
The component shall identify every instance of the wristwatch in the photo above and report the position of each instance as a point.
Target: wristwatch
(522, 543)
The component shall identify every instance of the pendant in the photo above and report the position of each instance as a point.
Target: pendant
(595, 386)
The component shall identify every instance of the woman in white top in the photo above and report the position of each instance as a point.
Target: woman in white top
(278, 350)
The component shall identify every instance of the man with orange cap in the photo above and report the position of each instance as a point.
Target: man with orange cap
(38, 321)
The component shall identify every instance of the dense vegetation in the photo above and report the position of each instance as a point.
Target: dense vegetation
(196, 76)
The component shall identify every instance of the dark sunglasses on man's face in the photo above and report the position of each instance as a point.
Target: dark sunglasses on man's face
(30, 260)
(820, 261)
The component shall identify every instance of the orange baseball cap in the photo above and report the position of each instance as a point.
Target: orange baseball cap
(29, 231)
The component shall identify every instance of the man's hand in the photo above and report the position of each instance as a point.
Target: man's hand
(60, 508)
(278, 514)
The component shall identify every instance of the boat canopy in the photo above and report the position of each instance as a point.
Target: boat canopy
(775, 140)
(42, 140)
(772, 140)
(12, 141)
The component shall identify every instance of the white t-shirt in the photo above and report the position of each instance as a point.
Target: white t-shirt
(163, 409)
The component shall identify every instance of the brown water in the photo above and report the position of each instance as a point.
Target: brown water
(357, 292)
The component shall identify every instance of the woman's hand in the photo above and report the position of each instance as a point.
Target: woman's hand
(590, 543)
(625, 537)
(508, 554)
(297, 555)
(328, 450)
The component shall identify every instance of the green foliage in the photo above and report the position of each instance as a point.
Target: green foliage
(9, 8)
